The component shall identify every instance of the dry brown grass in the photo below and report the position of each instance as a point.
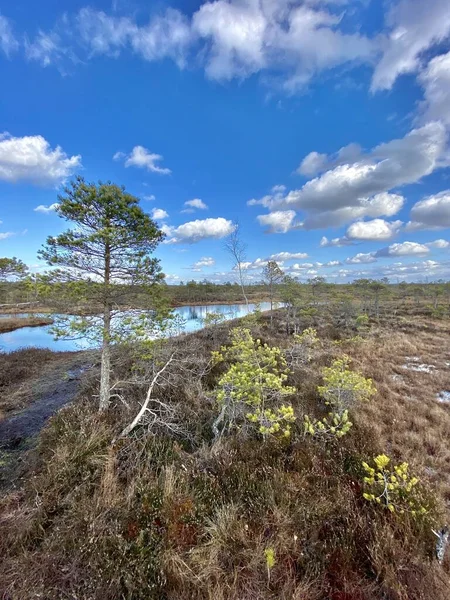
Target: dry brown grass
(12, 323)
(409, 421)
(153, 517)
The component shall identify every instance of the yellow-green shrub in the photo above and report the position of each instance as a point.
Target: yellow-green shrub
(362, 322)
(343, 388)
(255, 380)
(273, 422)
(393, 487)
(335, 425)
(301, 351)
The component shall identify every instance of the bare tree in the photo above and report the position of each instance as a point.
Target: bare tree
(237, 250)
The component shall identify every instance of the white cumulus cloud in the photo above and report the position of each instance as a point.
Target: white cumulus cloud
(206, 261)
(432, 212)
(361, 258)
(198, 230)
(375, 230)
(332, 263)
(144, 159)
(362, 189)
(315, 163)
(439, 244)
(435, 80)
(404, 249)
(159, 214)
(31, 158)
(312, 164)
(254, 265)
(237, 33)
(46, 209)
(337, 242)
(414, 27)
(392, 164)
(193, 205)
(363, 231)
(279, 221)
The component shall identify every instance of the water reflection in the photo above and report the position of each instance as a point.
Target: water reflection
(40, 337)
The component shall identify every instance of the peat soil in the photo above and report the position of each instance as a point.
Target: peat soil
(46, 394)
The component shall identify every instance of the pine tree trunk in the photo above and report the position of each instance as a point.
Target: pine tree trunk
(271, 303)
(106, 360)
(106, 342)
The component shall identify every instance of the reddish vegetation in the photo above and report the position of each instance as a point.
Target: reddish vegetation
(158, 517)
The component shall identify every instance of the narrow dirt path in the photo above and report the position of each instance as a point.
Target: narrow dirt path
(50, 391)
(53, 394)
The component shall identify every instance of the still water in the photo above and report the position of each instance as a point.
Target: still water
(40, 337)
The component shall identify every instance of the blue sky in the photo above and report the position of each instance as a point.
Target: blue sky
(322, 127)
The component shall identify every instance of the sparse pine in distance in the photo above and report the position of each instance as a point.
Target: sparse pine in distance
(291, 295)
(316, 283)
(378, 287)
(272, 276)
(213, 318)
(11, 269)
(108, 249)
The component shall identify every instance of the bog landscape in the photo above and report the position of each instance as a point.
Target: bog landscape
(225, 368)
(294, 452)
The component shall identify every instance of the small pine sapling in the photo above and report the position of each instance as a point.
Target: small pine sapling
(252, 389)
(393, 487)
(342, 389)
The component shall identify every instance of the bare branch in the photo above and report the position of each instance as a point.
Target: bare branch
(129, 428)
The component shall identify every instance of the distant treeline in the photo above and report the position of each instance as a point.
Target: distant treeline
(206, 292)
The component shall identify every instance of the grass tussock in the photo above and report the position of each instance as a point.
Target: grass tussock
(181, 517)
